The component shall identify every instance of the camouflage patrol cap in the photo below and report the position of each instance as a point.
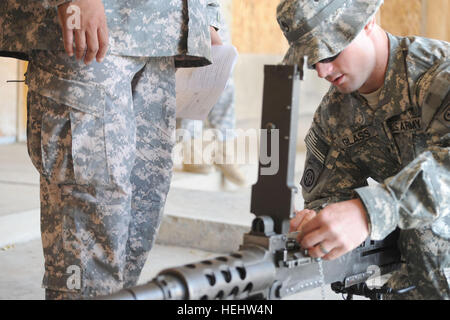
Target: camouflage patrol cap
(321, 29)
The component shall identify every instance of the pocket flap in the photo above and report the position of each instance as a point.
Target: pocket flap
(85, 97)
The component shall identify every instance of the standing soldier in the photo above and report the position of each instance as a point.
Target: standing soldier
(100, 133)
(386, 116)
(221, 118)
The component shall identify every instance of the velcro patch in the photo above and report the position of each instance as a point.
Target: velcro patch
(407, 125)
(317, 146)
(357, 137)
(313, 169)
(315, 163)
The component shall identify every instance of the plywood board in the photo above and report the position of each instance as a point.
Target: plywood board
(255, 28)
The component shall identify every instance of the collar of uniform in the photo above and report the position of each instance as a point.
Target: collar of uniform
(395, 95)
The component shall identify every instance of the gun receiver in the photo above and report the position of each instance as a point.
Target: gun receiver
(270, 264)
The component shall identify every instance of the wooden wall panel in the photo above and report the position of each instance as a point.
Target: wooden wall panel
(255, 28)
(437, 17)
(428, 18)
(402, 17)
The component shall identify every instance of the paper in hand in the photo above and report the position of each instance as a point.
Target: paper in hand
(199, 89)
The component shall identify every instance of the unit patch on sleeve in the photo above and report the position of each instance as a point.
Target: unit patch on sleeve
(315, 161)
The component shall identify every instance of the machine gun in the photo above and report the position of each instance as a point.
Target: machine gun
(270, 264)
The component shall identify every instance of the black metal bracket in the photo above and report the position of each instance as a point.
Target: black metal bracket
(274, 193)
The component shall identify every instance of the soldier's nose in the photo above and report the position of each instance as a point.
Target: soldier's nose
(324, 69)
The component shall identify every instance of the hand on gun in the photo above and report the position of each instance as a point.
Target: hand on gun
(334, 231)
(91, 35)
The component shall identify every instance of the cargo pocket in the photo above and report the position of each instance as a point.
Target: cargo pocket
(72, 129)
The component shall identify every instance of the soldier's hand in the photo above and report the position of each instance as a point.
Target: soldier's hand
(335, 230)
(300, 219)
(215, 38)
(84, 21)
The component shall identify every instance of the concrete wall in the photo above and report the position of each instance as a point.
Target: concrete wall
(8, 99)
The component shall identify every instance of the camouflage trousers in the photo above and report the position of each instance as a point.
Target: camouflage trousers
(101, 139)
(427, 266)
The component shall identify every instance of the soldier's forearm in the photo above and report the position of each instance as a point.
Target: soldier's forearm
(416, 196)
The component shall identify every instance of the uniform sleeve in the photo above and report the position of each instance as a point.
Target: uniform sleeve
(214, 16)
(329, 175)
(419, 194)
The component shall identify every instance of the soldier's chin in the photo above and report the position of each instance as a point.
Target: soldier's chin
(345, 89)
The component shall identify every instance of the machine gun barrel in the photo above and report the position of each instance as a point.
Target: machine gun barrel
(241, 275)
(267, 266)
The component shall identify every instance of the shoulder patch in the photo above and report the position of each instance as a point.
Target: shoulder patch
(313, 169)
(315, 161)
(317, 146)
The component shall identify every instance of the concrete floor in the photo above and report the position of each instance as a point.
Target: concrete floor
(22, 268)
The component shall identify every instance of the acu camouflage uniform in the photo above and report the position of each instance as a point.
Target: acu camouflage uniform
(101, 135)
(403, 143)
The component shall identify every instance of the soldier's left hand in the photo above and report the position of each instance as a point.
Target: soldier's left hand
(335, 230)
(215, 38)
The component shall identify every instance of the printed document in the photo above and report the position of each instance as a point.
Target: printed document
(199, 89)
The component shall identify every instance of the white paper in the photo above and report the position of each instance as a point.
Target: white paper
(199, 89)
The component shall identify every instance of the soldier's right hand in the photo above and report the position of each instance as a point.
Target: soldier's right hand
(85, 22)
(300, 219)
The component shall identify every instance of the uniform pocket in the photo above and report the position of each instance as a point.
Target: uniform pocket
(73, 147)
(86, 97)
(90, 162)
